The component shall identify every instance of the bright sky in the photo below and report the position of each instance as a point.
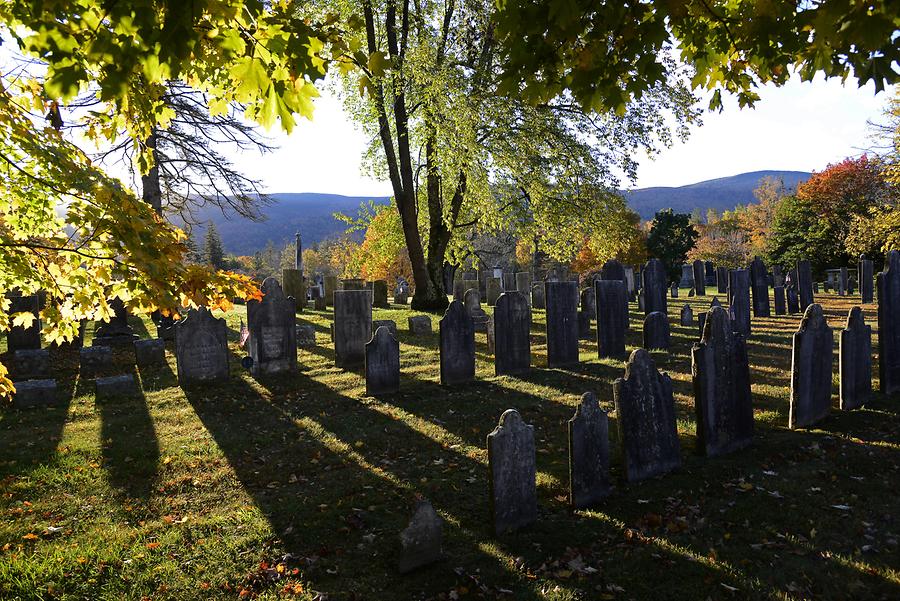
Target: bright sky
(799, 127)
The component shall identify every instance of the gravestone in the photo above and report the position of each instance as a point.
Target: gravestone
(116, 386)
(721, 375)
(306, 335)
(851, 285)
(201, 348)
(320, 303)
(273, 335)
(656, 331)
(35, 393)
(586, 313)
(843, 281)
(722, 279)
(94, 360)
(804, 284)
(629, 283)
(115, 332)
(687, 276)
(759, 286)
(494, 290)
(739, 300)
(380, 294)
(471, 284)
(165, 327)
(390, 324)
(352, 326)
(699, 278)
(588, 453)
(562, 323)
(611, 318)
(509, 281)
(382, 363)
(331, 284)
(459, 291)
(614, 270)
(855, 361)
(701, 323)
(673, 291)
(777, 276)
(645, 410)
(19, 337)
(811, 369)
(293, 287)
(401, 292)
(422, 540)
(793, 300)
(687, 316)
(348, 284)
(655, 285)
(419, 325)
(584, 325)
(780, 303)
(523, 284)
(710, 271)
(889, 324)
(31, 364)
(150, 353)
(715, 302)
(866, 279)
(690, 292)
(511, 463)
(512, 334)
(641, 303)
(457, 345)
(473, 305)
(538, 296)
(815, 288)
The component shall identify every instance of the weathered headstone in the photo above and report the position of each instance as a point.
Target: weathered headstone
(687, 276)
(19, 337)
(722, 279)
(855, 361)
(293, 286)
(421, 541)
(538, 296)
(382, 363)
(94, 360)
(586, 313)
(701, 323)
(722, 399)
(562, 323)
(511, 463)
(380, 294)
(116, 386)
(612, 270)
(656, 331)
(201, 348)
(645, 410)
(866, 279)
(401, 292)
(811, 371)
(273, 335)
(459, 291)
(419, 325)
(349, 284)
(352, 326)
(889, 324)
(611, 318)
(699, 278)
(457, 345)
(655, 285)
(687, 316)
(31, 364)
(630, 287)
(512, 334)
(390, 324)
(780, 303)
(843, 281)
(673, 291)
(481, 319)
(150, 353)
(115, 332)
(306, 335)
(739, 300)
(793, 300)
(804, 284)
(35, 393)
(710, 270)
(320, 303)
(588, 453)
(523, 284)
(331, 284)
(759, 286)
(494, 290)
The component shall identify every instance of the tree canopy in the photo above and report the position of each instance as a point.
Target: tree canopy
(671, 238)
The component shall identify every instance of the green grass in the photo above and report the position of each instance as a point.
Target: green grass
(298, 486)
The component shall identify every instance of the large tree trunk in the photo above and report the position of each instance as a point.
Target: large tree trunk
(151, 189)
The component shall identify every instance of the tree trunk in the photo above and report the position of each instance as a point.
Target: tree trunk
(152, 191)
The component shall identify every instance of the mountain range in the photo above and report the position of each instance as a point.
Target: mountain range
(312, 213)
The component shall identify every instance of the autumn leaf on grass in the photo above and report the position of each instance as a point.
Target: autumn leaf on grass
(152, 545)
(31, 536)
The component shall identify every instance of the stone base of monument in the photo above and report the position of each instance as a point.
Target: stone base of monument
(150, 353)
(31, 364)
(123, 340)
(117, 386)
(94, 360)
(35, 393)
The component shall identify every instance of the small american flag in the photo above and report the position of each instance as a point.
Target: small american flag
(245, 334)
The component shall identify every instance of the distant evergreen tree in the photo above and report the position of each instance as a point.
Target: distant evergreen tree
(671, 238)
(213, 253)
(194, 255)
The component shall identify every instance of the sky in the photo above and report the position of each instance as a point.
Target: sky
(802, 126)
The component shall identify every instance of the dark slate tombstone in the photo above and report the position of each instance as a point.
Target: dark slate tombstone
(701, 323)
(866, 282)
(116, 332)
(690, 292)
(116, 386)
(459, 291)
(759, 286)
(352, 326)
(641, 302)
(673, 291)
(511, 463)
(457, 345)
(612, 270)
(811, 369)
(523, 284)
(804, 284)
(21, 338)
(150, 353)
(380, 294)
(306, 335)
(855, 361)
(471, 284)
(710, 271)
(722, 279)
(611, 318)
(538, 296)
(31, 364)
(293, 286)
(512, 334)
(715, 302)
(348, 284)
(851, 285)
(699, 278)
(889, 324)
(721, 375)
(273, 335)
(201, 348)
(793, 300)
(382, 363)
(655, 280)
(630, 282)
(815, 288)
(419, 325)
(780, 304)
(94, 360)
(588, 453)
(165, 327)
(587, 313)
(739, 300)
(35, 393)
(390, 324)
(687, 316)
(421, 541)
(562, 323)
(687, 276)
(843, 281)
(331, 284)
(645, 411)
(656, 331)
(320, 304)
(494, 290)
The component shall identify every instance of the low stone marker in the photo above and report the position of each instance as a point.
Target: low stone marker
(588, 453)
(512, 334)
(865, 273)
(538, 297)
(721, 375)
(804, 284)
(699, 278)
(30, 364)
(562, 323)
(419, 325)
(780, 302)
(273, 335)
(201, 348)
(306, 336)
(645, 410)
(94, 360)
(811, 369)
(390, 324)
(380, 294)
(352, 326)
(687, 316)
(35, 393)
(150, 353)
(855, 361)
(382, 363)
(655, 285)
(117, 386)
(511, 464)
(739, 300)
(421, 541)
(759, 287)
(889, 324)
(494, 289)
(611, 318)
(656, 331)
(457, 345)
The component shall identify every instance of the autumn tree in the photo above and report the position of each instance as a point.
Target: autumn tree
(671, 238)
(213, 252)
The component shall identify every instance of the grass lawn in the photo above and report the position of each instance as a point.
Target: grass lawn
(297, 486)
